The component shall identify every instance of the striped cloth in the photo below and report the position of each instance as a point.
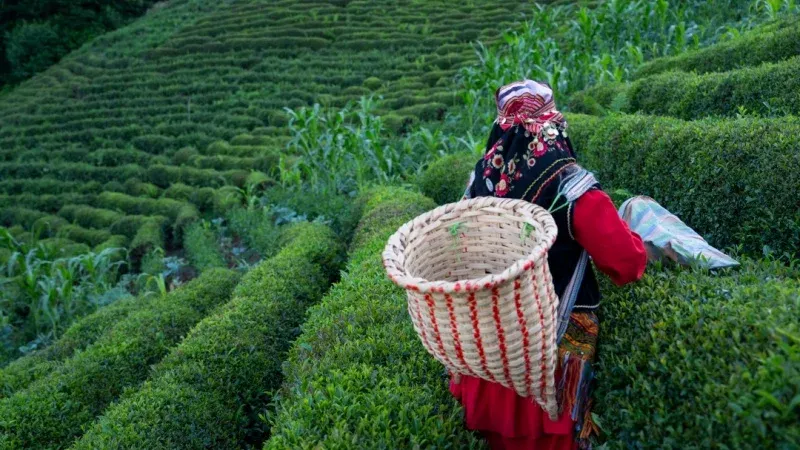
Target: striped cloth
(527, 103)
(667, 237)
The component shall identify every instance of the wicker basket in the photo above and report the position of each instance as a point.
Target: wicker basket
(480, 293)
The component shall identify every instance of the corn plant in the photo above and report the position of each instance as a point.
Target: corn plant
(572, 47)
(344, 150)
(41, 295)
(772, 9)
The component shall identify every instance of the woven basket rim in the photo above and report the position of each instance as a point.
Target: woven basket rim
(417, 284)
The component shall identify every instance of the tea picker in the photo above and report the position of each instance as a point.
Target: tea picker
(499, 286)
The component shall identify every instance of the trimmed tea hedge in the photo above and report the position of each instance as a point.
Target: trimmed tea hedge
(766, 90)
(89, 217)
(696, 360)
(358, 377)
(149, 236)
(753, 48)
(53, 409)
(689, 359)
(599, 100)
(446, 178)
(23, 371)
(207, 392)
(734, 181)
(181, 214)
(115, 241)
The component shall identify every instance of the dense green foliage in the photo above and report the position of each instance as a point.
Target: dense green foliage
(202, 247)
(757, 46)
(341, 213)
(208, 390)
(54, 408)
(358, 376)
(257, 228)
(697, 360)
(732, 180)
(23, 371)
(202, 129)
(574, 46)
(46, 284)
(183, 115)
(34, 35)
(445, 179)
(770, 90)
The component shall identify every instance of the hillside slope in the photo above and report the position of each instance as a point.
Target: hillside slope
(137, 110)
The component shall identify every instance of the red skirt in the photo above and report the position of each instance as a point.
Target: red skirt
(511, 422)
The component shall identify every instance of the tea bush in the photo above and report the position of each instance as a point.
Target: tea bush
(20, 216)
(691, 359)
(150, 235)
(767, 90)
(445, 179)
(129, 225)
(181, 214)
(760, 45)
(357, 376)
(115, 241)
(85, 235)
(208, 390)
(54, 408)
(733, 180)
(89, 217)
(27, 369)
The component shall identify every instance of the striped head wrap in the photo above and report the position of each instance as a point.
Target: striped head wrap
(527, 103)
(528, 147)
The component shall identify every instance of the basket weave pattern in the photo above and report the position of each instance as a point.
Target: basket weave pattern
(480, 294)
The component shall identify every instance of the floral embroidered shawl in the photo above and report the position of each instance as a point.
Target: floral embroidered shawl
(527, 148)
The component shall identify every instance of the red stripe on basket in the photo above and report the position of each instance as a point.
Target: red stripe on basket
(476, 333)
(501, 335)
(543, 366)
(550, 289)
(422, 328)
(523, 325)
(436, 334)
(456, 336)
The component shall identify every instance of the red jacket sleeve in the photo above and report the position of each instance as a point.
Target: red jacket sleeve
(615, 249)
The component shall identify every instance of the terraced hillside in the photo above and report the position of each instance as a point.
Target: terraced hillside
(116, 124)
(129, 141)
(144, 135)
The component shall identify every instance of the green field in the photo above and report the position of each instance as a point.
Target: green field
(192, 209)
(129, 141)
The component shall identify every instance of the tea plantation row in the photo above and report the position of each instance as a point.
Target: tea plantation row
(679, 339)
(148, 128)
(224, 363)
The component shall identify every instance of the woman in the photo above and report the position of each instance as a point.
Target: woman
(529, 156)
